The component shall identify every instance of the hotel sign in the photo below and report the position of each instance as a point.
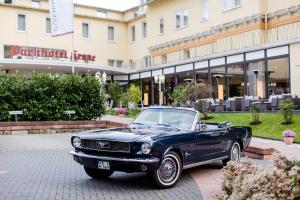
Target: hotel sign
(15, 51)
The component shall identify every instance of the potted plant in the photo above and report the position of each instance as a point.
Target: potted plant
(121, 112)
(288, 136)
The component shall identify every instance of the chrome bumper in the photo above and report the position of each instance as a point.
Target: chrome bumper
(136, 160)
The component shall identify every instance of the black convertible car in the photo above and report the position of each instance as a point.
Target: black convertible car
(161, 141)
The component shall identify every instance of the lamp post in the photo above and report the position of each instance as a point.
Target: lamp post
(160, 79)
(101, 77)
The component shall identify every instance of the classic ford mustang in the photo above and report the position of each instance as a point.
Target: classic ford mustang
(161, 141)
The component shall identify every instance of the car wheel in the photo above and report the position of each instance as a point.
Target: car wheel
(169, 171)
(234, 154)
(98, 173)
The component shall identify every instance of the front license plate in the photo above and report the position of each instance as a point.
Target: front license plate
(103, 165)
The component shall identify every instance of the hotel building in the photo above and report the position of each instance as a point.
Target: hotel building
(240, 47)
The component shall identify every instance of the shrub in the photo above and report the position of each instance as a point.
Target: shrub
(255, 111)
(45, 97)
(286, 109)
(134, 94)
(133, 112)
(115, 91)
(178, 96)
(247, 180)
(121, 111)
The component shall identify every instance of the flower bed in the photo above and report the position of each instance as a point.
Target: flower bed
(246, 180)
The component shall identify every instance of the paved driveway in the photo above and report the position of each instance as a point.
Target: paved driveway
(39, 167)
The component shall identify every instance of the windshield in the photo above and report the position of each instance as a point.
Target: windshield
(176, 118)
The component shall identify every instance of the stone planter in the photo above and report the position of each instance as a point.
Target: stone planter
(288, 140)
(121, 115)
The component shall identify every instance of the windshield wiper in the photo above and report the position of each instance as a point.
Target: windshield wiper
(138, 123)
(168, 125)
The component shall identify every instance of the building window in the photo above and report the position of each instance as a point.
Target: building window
(111, 62)
(147, 61)
(182, 19)
(144, 29)
(236, 80)
(164, 59)
(161, 26)
(111, 33)
(231, 4)
(132, 33)
(278, 76)
(218, 83)
(186, 54)
(256, 79)
(85, 30)
(119, 63)
(204, 10)
(101, 13)
(48, 25)
(21, 22)
(35, 3)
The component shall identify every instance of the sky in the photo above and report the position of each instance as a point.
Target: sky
(110, 4)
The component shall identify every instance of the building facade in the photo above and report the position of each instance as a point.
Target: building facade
(240, 47)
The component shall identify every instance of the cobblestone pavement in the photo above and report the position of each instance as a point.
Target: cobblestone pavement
(39, 167)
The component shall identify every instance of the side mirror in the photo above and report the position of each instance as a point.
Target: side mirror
(198, 126)
(201, 127)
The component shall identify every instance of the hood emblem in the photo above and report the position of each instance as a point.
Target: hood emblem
(103, 145)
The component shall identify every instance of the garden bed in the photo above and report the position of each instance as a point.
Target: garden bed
(45, 127)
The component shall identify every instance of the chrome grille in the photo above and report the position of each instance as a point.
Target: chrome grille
(108, 146)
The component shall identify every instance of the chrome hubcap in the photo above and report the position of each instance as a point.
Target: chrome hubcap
(167, 170)
(235, 153)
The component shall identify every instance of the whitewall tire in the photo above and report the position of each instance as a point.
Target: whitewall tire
(234, 153)
(169, 171)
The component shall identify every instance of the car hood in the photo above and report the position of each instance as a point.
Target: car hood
(129, 135)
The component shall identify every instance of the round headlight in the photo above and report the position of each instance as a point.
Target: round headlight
(146, 148)
(77, 142)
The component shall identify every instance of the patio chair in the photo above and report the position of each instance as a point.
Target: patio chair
(296, 102)
(211, 103)
(234, 104)
(246, 102)
(229, 104)
(237, 106)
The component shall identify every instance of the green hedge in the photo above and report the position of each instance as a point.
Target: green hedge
(45, 97)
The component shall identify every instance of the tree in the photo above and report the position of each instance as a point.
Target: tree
(134, 95)
(197, 92)
(115, 91)
(286, 109)
(178, 96)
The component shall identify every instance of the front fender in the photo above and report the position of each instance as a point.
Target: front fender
(174, 148)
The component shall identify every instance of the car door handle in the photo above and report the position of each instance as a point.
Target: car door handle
(223, 132)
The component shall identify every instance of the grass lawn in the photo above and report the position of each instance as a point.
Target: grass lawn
(270, 127)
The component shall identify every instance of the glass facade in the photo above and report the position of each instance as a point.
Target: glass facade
(278, 80)
(236, 80)
(185, 77)
(146, 92)
(256, 79)
(170, 82)
(202, 76)
(259, 78)
(218, 82)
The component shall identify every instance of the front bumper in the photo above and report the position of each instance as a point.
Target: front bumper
(117, 163)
